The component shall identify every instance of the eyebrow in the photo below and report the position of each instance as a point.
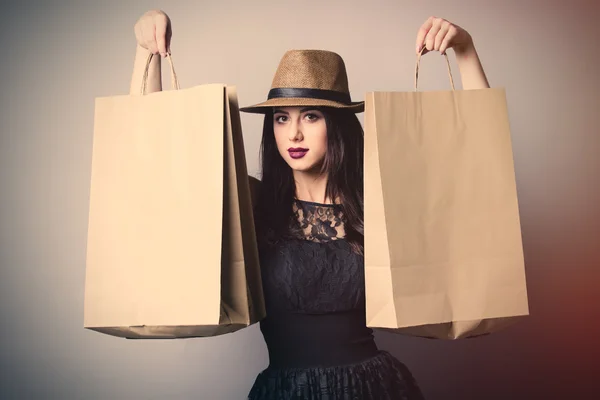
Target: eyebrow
(277, 111)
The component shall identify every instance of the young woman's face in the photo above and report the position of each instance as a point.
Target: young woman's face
(301, 136)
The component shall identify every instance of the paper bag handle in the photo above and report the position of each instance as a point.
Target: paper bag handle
(419, 62)
(174, 81)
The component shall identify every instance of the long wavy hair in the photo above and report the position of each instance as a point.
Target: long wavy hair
(343, 163)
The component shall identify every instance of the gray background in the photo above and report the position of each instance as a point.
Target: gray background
(58, 56)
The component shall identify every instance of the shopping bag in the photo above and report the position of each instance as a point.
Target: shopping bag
(443, 248)
(171, 249)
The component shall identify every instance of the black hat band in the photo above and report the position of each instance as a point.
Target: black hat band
(321, 94)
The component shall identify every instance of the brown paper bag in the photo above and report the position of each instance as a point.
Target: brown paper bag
(171, 245)
(443, 250)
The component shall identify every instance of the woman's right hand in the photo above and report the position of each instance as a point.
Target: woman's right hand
(153, 32)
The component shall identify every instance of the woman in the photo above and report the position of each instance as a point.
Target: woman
(309, 219)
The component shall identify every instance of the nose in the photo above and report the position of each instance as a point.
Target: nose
(295, 133)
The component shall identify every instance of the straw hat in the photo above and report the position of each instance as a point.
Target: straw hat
(309, 78)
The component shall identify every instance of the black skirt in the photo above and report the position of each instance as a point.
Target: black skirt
(382, 377)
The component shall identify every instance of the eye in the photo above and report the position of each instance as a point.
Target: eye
(280, 119)
(312, 117)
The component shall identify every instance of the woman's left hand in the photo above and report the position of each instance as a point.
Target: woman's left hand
(438, 34)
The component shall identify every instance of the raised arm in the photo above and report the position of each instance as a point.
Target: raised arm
(153, 34)
(438, 34)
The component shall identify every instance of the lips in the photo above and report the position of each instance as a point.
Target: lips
(297, 152)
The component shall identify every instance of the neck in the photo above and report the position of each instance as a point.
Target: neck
(311, 186)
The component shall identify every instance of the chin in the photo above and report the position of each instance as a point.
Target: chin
(301, 165)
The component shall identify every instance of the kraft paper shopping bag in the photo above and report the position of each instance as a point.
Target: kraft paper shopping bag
(443, 249)
(171, 248)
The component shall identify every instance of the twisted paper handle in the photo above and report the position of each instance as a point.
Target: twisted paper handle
(174, 81)
(419, 62)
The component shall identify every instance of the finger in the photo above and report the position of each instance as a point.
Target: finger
(138, 35)
(447, 39)
(160, 22)
(151, 39)
(168, 38)
(422, 33)
(148, 34)
(142, 39)
(439, 38)
(148, 39)
(430, 38)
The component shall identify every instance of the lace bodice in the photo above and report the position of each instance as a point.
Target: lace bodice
(315, 271)
(319, 222)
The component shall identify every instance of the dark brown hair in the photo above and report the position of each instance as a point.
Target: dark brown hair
(343, 163)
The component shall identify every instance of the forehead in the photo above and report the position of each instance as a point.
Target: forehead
(293, 110)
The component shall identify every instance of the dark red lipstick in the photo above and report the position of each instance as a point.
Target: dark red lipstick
(297, 152)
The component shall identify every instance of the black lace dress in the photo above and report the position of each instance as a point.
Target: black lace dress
(315, 330)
